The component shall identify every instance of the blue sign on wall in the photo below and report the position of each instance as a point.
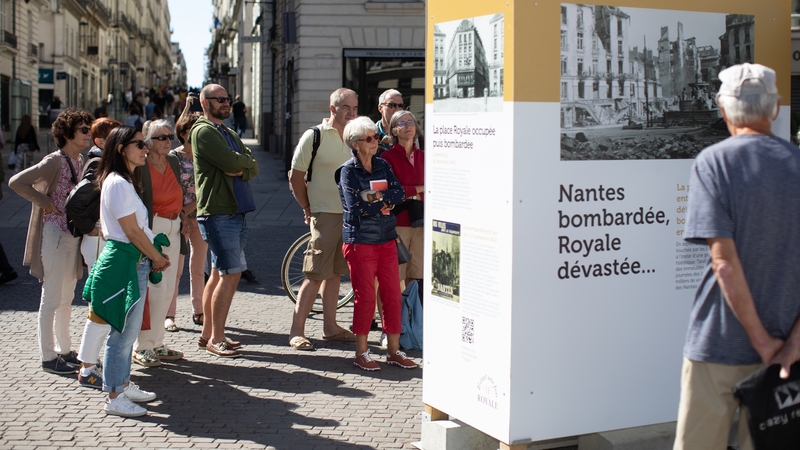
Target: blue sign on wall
(61, 75)
(45, 75)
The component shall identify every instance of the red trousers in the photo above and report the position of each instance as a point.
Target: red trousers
(368, 262)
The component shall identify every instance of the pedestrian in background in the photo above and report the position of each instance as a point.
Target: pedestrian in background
(7, 272)
(744, 206)
(369, 241)
(239, 116)
(50, 249)
(25, 143)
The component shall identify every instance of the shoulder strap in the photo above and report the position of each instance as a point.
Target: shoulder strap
(314, 148)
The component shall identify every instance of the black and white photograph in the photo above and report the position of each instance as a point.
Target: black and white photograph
(468, 65)
(446, 260)
(640, 83)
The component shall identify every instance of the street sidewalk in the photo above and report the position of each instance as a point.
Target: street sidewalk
(274, 397)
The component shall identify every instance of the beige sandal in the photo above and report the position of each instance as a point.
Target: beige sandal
(301, 343)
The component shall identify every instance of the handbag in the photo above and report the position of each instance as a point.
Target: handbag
(12, 159)
(403, 256)
(772, 407)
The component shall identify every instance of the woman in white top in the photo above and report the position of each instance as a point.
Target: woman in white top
(123, 218)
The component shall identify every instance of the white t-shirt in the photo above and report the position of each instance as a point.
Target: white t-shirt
(118, 199)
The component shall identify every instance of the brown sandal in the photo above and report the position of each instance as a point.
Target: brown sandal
(198, 319)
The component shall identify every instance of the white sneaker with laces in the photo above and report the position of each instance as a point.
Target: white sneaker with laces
(123, 406)
(137, 395)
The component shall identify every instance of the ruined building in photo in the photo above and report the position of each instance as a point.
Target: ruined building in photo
(678, 63)
(736, 45)
(595, 66)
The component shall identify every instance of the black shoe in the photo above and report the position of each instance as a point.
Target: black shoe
(8, 276)
(71, 358)
(58, 366)
(250, 277)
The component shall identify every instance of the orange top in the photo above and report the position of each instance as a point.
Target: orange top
(167, 193)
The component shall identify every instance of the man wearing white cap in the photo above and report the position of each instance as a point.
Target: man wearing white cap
(744, 205)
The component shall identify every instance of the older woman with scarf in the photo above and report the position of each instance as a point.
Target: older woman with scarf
(123, 266)
(369, 190)
(163, 195)
(50, 249)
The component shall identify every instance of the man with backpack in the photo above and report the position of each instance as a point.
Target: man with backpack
(318, 154)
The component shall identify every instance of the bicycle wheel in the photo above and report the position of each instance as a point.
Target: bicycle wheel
(292, 275)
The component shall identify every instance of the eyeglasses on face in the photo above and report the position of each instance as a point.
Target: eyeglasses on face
(164, 137)
(406, 123)
(222, 100)
(395, 105)
(139, 143)
(369, 139)
(84, 129)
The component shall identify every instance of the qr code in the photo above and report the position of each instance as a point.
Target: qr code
(467, 330)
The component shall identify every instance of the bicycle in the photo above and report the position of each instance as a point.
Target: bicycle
(292, 275)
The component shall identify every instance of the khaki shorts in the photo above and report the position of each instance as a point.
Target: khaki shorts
(414, 240)
(707, 406)
(323, 257)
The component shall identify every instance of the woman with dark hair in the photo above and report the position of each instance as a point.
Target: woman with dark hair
(47, 185)
(408, 164)
(25, 143)
(125, 262)
(92, 243)
(199, 247)
(369, 190)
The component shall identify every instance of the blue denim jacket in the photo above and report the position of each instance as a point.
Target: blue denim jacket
(363, 222)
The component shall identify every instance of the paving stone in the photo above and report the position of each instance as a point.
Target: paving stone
(272, 397)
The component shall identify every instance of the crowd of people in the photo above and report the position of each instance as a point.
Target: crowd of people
(133, 209)
(129, 213)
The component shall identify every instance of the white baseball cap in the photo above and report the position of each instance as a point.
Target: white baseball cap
(747, 79)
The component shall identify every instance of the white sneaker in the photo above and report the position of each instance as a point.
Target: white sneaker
(137, 395)
(123, 406)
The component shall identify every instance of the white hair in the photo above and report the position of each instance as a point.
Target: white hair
(152, 128)
(749, 109)
(357, 129)
(388, 93)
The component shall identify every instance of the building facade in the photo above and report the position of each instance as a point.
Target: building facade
(302, 50)
(79, 51)
(466, 63)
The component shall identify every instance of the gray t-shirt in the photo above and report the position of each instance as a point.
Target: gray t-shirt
(746, 188)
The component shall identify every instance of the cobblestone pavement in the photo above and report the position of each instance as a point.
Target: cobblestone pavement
(273, 397)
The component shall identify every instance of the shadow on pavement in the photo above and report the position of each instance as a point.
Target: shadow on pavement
(214, 401)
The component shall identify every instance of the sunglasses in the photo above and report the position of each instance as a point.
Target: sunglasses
(222, 100)
(83, 129)
(164, 137)
(139, 143)
(369, 139)
(395, 105)
(406, 123)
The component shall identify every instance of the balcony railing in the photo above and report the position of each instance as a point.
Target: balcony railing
(9, 39)
(33, 50)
